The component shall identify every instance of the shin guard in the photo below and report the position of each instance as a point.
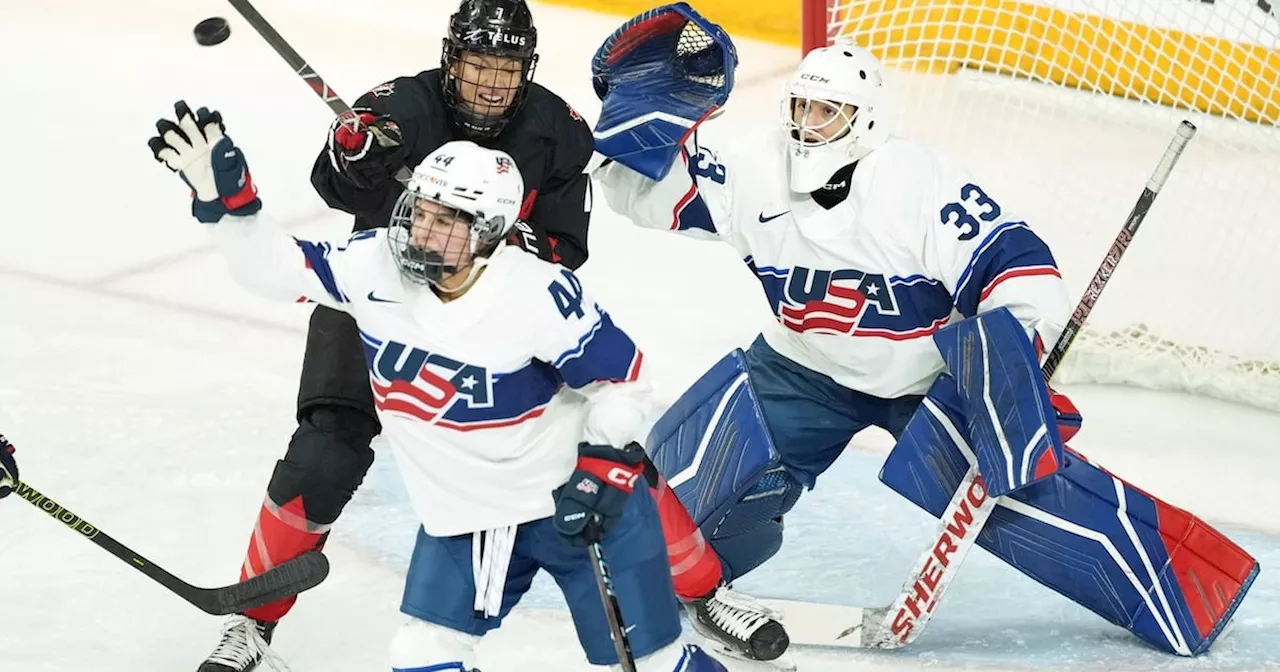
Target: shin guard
(695, 569)
(282, 533)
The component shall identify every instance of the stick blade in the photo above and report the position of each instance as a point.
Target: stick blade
(295, 576)
(818, 624)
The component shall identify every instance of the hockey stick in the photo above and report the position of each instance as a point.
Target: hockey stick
(302, 573)
(612, 612)
(901, 622)
(1186, 131)
(309, 75)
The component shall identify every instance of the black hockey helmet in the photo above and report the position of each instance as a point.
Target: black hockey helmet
(492, 96)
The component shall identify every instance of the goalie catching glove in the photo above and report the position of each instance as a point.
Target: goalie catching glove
(195, 146)
(591, 503)
(659, 76)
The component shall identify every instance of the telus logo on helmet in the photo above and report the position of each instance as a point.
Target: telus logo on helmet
(494, 37)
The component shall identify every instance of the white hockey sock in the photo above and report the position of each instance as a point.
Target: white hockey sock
(419, 645)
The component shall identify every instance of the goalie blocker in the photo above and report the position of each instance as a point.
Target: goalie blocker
(1171, 579)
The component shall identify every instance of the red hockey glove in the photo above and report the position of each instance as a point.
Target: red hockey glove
(367, 149)
(1069, 419)
(1068, 415)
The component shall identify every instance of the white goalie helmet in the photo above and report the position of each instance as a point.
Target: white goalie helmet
(460, 204)
(833, 112)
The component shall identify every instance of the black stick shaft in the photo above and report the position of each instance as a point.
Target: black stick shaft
(102, 539)
(308, 74)
(292, 57)
(1186, 131)
(277, 583)
(612, 611)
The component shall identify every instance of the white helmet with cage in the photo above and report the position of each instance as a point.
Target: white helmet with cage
(833, 112)
(460, 204)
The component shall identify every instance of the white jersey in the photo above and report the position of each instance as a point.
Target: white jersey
(470, 393)
(858, 289)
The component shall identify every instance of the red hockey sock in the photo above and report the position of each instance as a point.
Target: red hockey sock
(695, 568)
(282, 533)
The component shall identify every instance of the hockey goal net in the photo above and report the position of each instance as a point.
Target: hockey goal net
(1064, 107)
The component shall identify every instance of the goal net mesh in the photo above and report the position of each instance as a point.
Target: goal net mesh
(1064, 108)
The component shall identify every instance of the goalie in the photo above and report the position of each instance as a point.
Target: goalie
(866, 246)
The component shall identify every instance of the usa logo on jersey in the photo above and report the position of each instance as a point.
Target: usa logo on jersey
(854, 303)
(821, 301)
(424, 385)
(433, 388)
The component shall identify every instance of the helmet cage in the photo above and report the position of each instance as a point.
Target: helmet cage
(500, 28)
(432, 241)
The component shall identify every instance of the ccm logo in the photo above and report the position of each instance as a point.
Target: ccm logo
(924, 592)
(622, 478)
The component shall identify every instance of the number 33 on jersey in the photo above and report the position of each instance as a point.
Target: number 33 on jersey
(862, 271)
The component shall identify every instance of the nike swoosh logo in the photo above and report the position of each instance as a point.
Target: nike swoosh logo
(377, 300)
(764, 219)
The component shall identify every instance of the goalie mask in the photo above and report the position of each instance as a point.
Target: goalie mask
(487, 64)
(457, 208)
(833, 113)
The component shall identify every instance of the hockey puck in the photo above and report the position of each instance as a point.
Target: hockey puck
(211, 31)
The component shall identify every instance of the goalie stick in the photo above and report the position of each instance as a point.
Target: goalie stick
(309, 75)
(970, 507)
(302, 573)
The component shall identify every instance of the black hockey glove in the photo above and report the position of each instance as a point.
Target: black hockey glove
(535, 240)
(367, 149)
(591, 503)
(8, 467)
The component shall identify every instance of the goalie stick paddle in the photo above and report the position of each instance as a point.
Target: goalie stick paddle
(293, 577)
(970, 507)
(308, 74)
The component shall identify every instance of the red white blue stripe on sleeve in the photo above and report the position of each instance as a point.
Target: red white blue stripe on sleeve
(603, 354)
(317, 259)
(691, 211)
(1011, 250)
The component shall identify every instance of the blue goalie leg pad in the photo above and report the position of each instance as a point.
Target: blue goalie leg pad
(1011, 423)
(715, 452)
(1129, 557)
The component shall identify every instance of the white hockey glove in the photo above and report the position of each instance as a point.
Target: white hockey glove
(196, 147)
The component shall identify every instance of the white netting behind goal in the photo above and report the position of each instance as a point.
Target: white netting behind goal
(1064, 107)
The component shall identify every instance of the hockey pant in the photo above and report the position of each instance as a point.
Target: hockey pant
(442, 582)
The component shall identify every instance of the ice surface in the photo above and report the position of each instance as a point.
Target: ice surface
(150, 395)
